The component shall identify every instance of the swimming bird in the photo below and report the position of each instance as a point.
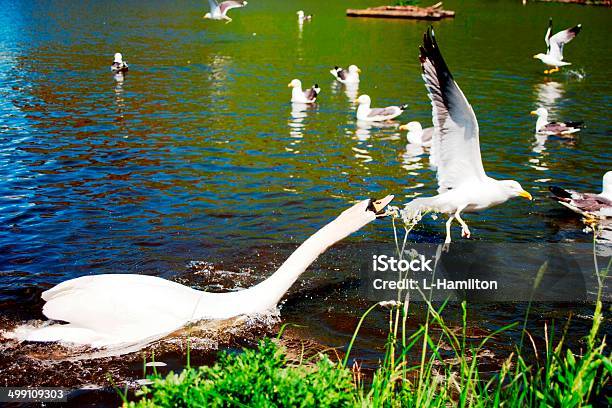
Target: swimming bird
(367, 114)
(417, 135)
(350, 76)
(120, 310)
(300, 96)
(303, 17)
(587, 204)
(554, 44)
(543, 126)
(218, 11)
(119, 65)
(463, 184)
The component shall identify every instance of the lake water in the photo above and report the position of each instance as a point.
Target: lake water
(197, 156)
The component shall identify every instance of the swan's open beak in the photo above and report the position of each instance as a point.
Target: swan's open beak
(378, 206)
(526, 195)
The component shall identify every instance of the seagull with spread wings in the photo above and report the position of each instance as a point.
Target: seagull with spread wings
(554, 44)
(218, 11)
(463, 184)
(587, 204)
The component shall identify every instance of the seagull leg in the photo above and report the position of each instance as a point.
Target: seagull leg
(448, 229)
(465, 231)
(229, 20)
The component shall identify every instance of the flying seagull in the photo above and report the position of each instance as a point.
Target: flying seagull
(348, 76)
(119, 66)
(367, 114)
(544, 127)
(554, 44)
(218, 11)
(300, 96)
(463, 184)
(587, 204)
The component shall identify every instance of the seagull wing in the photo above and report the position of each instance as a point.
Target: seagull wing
(312, 93)
(388, 111)
(548, 34)
(558, 40)
(227, 5)
(213, 5)
(455, 126)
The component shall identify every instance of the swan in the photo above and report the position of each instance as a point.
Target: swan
(120, 310)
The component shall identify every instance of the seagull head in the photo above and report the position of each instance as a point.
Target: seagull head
(539, 56)
(300, 13)
(364, 100)
(207, 15)
(540, 112)
(607, 185)
(412, 127)
(296, 83)
(118, 58)
(513, 189)
(354, 69)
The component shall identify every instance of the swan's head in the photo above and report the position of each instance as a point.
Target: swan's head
(513, 189)
(412, 127)
(607, 185)
(296, 83)
(540, 112)
(364, 100)
(539, 56)
(354, 69)
(207, 15)
(118, 58)
(363, 213)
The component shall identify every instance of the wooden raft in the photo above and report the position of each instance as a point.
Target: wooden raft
(434, 12)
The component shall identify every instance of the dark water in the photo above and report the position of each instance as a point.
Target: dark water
(197, 156)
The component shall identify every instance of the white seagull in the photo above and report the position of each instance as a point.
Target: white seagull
(350, 76)
(303, 17)
(544, 127)
(300, 96)
(554, 44)
(417, 135)
(121, 310)
(367, 114)
(119, 65)
(587, 204)
(218, 11)
(463, 184)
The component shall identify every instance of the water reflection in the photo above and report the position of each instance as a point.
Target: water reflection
(548, 93)
(299, 112)
(412, 157)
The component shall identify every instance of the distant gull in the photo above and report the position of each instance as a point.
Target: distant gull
(463, 184)
(417, 135)
(218, 11)
(350, 76)
(554, 44)
(587, 204)
(367, 114)
(544, 127)
(119, 65)
(303, 17)
(300, 96)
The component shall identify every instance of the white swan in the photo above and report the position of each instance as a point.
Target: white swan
(123, 310)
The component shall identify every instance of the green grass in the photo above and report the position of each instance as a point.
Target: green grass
(416, 371)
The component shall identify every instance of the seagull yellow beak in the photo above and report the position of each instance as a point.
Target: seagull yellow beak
(526, 195)
(403, 127)
(289, 85)
(535, 56)
(378, 206)
(533, 113)
(359, 70)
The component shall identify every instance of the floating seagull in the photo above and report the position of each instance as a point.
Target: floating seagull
(544, 127)
(417, 135)
(587, 204)
(554, 44)
(218, 11)
(303, 17)
(463, 183)
(350, 76)
(300, 96)
(367, 114)
(119, 65)
(122, 310)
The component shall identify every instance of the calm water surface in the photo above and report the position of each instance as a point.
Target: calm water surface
(197, 155)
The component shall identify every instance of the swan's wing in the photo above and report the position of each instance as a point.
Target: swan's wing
(455, 126)
(121, 304)
(548, 34)
(227, 5)
(558, 40)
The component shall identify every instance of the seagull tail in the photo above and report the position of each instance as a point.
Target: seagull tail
(575, 125)
(560, 193)
(404, 107)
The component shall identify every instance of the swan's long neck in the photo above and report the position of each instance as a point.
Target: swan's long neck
(267, 294)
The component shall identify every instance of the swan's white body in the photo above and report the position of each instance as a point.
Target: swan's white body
(121, 310)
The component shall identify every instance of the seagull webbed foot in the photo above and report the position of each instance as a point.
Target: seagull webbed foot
(465, 232)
